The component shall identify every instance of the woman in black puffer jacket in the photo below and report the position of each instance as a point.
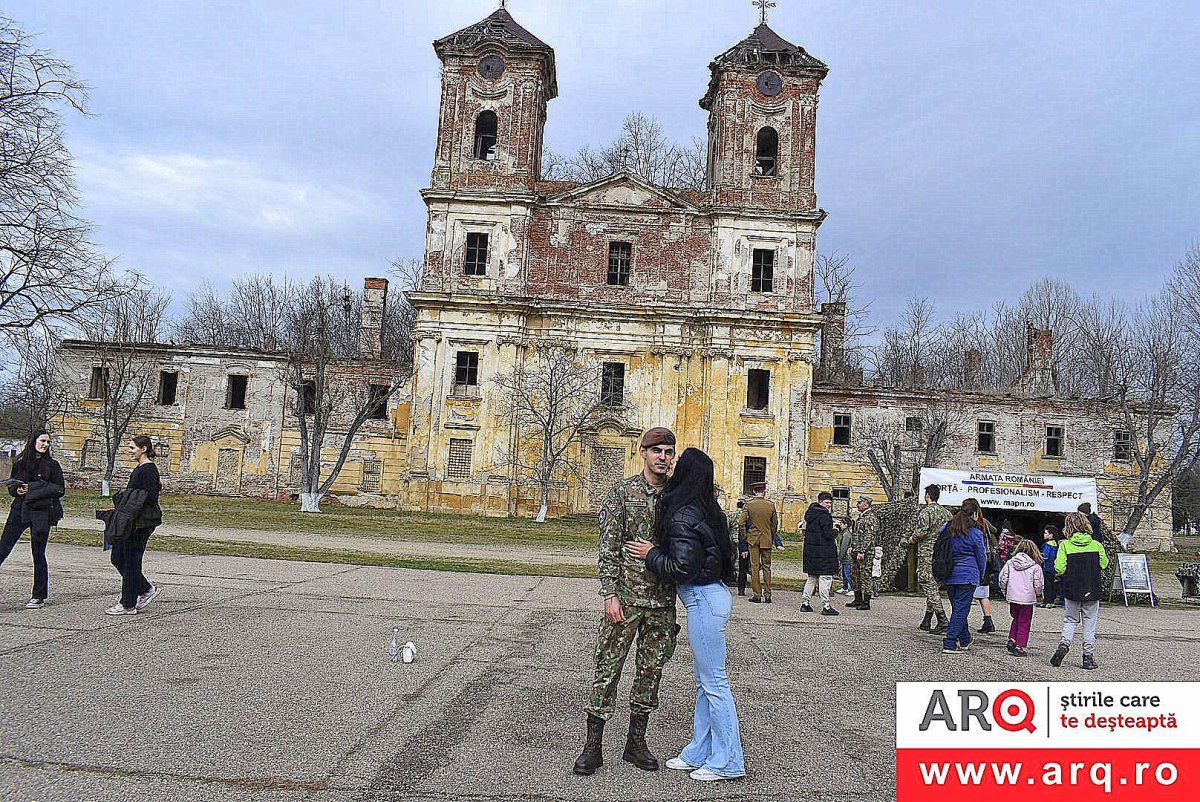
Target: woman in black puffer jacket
(37, 485)
(696, 553)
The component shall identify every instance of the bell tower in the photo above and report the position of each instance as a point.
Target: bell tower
(762, 123)
(497, 79)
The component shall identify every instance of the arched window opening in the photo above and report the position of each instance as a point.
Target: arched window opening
(766, 154)
(485, 136)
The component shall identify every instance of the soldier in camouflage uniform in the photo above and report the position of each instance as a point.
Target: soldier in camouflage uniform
(862, 549)
(636, 605)
(930, 520)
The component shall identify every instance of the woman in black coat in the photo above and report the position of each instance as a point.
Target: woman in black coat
(820, 553)
(696, 553)
(136, 590)
(37, 487)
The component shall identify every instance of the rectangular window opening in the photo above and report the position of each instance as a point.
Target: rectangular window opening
(476, 260)
(985, 437)
(762, 278)
(458, 466)
(612, 384)
(98, 386)
(372, 475)
(841, 430)
(620, 259)
(841, 501)
(466, 372)
(308, 397)
(1054, 441)
(168, 386)
(235, 391)
(754, 471)
(1122, 446)
(378, 401)
(758, 389)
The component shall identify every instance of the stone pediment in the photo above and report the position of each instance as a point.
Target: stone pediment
(230, 434)
(623, 190)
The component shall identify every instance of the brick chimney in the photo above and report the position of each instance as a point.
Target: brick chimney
(1038, 379)
(370, 336)
(972, 370)
(833, 340)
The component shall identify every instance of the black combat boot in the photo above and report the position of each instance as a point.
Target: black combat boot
(636, 751)
(866, 604)
(1089, 662)
(926, 622)
(943, 624)
(858, 600)
(591, 759)
(988, 626)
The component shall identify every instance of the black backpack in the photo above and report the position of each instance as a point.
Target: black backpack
(943, 555)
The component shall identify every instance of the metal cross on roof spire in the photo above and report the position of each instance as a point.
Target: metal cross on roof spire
(503, 3)
(763, 7)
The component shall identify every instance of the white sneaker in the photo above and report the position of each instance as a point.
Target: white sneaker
(147, 597)
(950, 651)
(35, 604)
(706, 776)
(117, 609)
(679, 764)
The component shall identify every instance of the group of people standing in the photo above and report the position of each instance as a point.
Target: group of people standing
(37, 487)
(959, 551)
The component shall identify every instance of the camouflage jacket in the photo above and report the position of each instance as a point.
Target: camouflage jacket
(735, 529)
(866, 532)
(929, 521)
(628, 515)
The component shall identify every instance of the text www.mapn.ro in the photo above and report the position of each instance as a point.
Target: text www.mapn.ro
(1098, 774)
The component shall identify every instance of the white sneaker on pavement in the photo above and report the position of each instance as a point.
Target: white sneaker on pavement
(117, 609)
(35, 604)
(679, 764)
(704, 775)
(147, 597)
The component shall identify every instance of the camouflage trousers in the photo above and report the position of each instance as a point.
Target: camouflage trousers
(656, 631)
(860, 575)
(929, 586)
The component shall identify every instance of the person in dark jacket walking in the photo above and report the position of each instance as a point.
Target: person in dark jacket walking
(970, 563)
(695, 552)
(127, 554)
(820, 553)
(37, 487)
(1079, 563)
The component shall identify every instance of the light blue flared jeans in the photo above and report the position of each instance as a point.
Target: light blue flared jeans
(716, 743)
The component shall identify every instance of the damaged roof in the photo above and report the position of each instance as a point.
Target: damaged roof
(499, 27)
(763, 46)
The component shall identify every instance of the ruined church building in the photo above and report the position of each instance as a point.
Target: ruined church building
(699, 304)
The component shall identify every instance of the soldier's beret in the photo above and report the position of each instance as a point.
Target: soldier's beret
(658, 436)
(865, 500)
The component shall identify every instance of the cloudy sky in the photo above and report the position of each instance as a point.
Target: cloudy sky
(965, 148)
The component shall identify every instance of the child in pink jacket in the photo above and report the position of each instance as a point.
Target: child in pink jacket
(1023, 584)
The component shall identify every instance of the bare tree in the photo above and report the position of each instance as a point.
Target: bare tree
(334, 389)
(252, 314)
(896, 447)
(837, 283)
(34, 391)
(119, 332)
(640, 148)
(907, 354)
(48, 268)
(554, 399)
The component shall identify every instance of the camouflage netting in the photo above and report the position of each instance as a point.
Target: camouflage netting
(897, 520)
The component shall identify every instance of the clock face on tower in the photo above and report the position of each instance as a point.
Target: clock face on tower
(491, 67)
(770, 84)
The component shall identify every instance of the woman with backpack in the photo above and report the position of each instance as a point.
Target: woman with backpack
(967, 563)
(695, 552)
(37, 487)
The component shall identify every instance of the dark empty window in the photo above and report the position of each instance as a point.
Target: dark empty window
(466, 370)
(612, 384)
(235, 391)
(485, 136)
(758, 389)
(378, 401)
(1122, 446)
(762, 279)
(985, 437)
(620, 257)
(913, 425)
(841, 430)
(98, 387)
(754, 471)
(1054, 441)
(168, 387)
(477, 255)
(308, 397)
(766, 152)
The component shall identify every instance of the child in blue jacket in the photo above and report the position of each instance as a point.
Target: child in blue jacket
(1049, 552)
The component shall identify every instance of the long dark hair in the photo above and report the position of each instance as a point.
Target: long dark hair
(29, 455)
(964, 520)
(692, 483)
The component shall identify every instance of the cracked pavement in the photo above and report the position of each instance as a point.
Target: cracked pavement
(269, 680)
